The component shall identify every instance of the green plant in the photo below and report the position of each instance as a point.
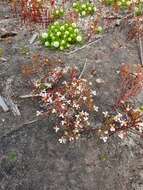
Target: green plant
(139, 8)
(12, 156)
(61, 35)
(84, 9)
(121, 4)
(123, 121)
(58, 13)
(68, 98)
(1, 52)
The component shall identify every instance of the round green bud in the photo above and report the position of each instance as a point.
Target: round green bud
(94, 8)
(99, 29)
(79, 38)
(57, 12)
(51, 35)
(56, 23)
(56, 44)
(61, 48)
(119, 3)
(136, 9)
(66, 25)
(58, 33)
(67, 32)
(69, 39)
(44, 35)
(76, 30)
(63, 42)
(83, 13)
(52, 27)
(62, 28)
(61, 10)
(89, 8)
(74, 4)
(53, 38)
(73, 25)
(128, 3)
(83, 6)
(68, 45)
(77, 10)
(70, 28)
(47, 44)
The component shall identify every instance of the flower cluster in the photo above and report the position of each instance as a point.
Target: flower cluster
(134, 5)
(139, 8)
(84, 9)
(121, 4)
(69, 99)
(39, 11)
(136, 29)
(61, 35)
(58, 13)
(128, 119)
(131, 82)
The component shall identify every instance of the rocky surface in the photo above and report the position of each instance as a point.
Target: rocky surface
(30, 156)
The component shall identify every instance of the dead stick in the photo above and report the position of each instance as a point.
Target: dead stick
(83, 69)
(29, 96)
(141, 50)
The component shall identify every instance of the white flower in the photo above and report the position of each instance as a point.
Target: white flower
(71, 139)
(62, 98)
(54, 111)
(43, 94)
(63, 122)
(123, 123)
(76, 105)
(49, 100)
(56, 129)
(84, 98)
(65, 70)
(112, 129)
(105, 113)
(88, 123)
(79, 87)
(64, 82)
(75, 130)
(121, 135)
(94, 92)
(140, 124)
(106, 132)
(61, 115)
(68, 101)
(104, 138)
(49, 85)
(84, 113)
(96, 108)
(38, 113)
(62, 140)
(85, 118)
